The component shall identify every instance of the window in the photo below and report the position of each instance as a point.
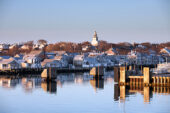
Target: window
(5, 65)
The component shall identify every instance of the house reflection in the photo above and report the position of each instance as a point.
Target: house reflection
(28, 87)
(49, 86)
(30, 83)
(8, 82)
(97, 83)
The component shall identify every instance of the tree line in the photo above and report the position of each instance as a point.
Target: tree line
(122, 48)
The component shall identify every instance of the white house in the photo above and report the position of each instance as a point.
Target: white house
(34, 57)
(39, 46)
(12, 46)
(8, 64)
(165, 51)
(111, 51)
(25, 47)
(51, 63)
(78, 60)
(4, 47)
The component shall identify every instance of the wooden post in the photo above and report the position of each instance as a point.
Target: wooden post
(116, 74)
(168, 81)
(131, 81)
(141, 69)
(147, 76)
(134, 81)
(93, 71)
(122, 75)
(137, 81)
(157, 80)
(154, 80)
(164, 79)
(126, 66)
(130, 68)
(161, 80)
(97, 72)
(49, 73)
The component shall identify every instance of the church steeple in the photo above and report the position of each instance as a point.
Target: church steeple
(95, 39)
(95, 35)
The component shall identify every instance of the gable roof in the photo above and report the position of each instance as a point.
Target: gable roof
(36, 52)
(167, 50)
(5, 57)
(7, 61)
(111, 51)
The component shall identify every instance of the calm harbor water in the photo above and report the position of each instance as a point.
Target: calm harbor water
(79, 93)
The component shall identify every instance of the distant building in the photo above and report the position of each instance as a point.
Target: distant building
(25, 47)
(39, 46)
(95, 41)
(34, 57)
(13, 46)
(111, 51)
(78, 60)
(165, 51)
(4, 47)
(85, 48)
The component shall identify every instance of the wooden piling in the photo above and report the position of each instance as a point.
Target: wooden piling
(97, 72)
(147, 76)
(116, 74)
(130, 68)
(122, 75)
(49, 73)
(157, 80)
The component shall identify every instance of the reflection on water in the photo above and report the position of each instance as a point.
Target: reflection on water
(35, 81)
(49, 86)
(121, 92)
(97, 84)
(93, 93)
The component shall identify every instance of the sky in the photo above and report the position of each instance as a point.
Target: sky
(76, 20)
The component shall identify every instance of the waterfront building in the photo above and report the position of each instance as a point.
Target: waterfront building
(34, 57)
(8, 64)
(78, 60)
(51, 63)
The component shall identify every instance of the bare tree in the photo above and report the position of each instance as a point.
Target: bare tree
(42, 41)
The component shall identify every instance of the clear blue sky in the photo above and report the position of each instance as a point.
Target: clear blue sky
(75, 20)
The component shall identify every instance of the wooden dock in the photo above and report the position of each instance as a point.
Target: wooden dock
(122, 77)
(40, 70)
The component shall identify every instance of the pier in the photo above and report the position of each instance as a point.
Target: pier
(122, 76)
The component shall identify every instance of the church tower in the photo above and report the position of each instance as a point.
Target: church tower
(95, 40)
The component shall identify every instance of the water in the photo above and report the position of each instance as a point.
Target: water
(79, 93)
